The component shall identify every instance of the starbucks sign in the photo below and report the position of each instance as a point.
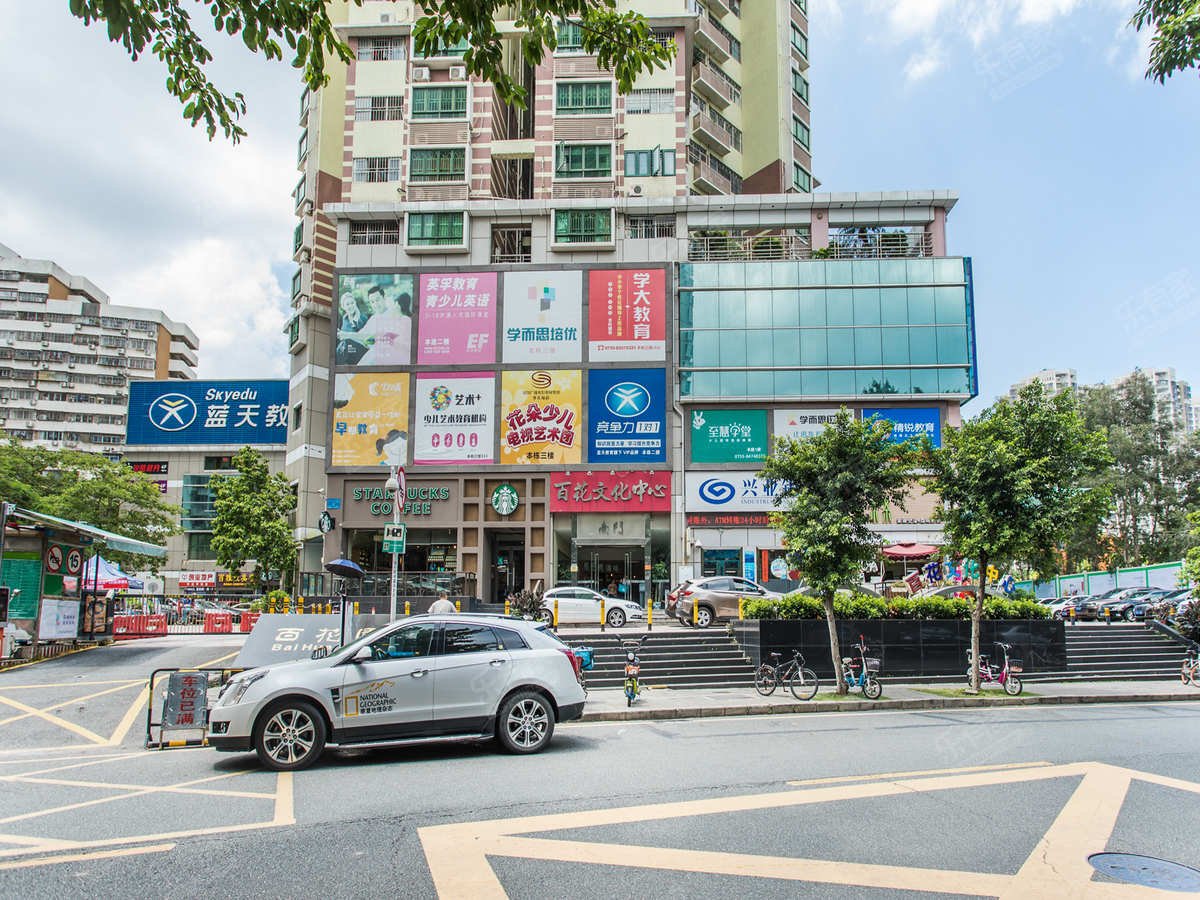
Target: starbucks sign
(505, 499)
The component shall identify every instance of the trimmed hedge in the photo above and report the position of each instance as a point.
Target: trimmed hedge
(861, 606)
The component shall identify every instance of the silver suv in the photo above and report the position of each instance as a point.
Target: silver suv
(424, 678)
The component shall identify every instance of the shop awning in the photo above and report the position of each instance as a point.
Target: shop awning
(114, 541)
(908, 550)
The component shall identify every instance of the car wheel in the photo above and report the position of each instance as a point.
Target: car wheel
(616, 618)
(704, 617)
(547, 616)
(1129, 614)
(290, 735)
(525, 723)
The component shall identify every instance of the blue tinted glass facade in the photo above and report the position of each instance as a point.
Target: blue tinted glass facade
(819, 328)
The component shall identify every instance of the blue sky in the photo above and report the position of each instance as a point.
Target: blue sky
(1076, 187)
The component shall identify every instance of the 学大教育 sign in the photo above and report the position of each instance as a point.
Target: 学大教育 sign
(207, 412)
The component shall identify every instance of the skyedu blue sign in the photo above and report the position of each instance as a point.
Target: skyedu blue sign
(911, 423)
(627, 415)
(207, 412)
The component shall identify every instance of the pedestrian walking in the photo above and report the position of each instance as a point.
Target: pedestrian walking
(442, 604)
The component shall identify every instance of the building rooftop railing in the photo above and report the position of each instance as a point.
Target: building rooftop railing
(868, 245)
(880, 244)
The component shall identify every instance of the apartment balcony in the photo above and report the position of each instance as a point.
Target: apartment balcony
(581, 189)
(715, 44)
(181, 351)
(711, 85)
(744, 247)
(177, 368)
(708, 180)
(880, 245)
(716, 138)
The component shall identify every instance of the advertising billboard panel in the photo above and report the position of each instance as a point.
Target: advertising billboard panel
(799, 424)
(207, 412)
(374, 320)
(541, 416)
(627, 415)
(457, 320)
(543, 315)
(728, 435)
(910, 423)
(627, 315)
(727, 492)
(454, 417)
(582, 492)
(370, 419)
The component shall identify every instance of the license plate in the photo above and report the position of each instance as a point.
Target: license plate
(1015, 669)
(632, 670)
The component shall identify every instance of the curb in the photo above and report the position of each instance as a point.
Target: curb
(824, 706)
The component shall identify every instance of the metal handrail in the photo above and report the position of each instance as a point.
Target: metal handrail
(880, 245)
(747, 247)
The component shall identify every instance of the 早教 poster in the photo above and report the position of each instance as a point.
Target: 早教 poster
(543, 313)
(374, 320)
(370, 419)
(454, 417)
(541, 417)
(457, 320)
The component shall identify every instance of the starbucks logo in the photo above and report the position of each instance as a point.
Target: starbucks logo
(505, 499)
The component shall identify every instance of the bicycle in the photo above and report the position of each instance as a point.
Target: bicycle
(866, 679)
(1191, 668)
(801, 682)
(1002, 675)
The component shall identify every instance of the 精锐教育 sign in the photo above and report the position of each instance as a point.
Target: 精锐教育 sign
(208, 412)
(909, 423)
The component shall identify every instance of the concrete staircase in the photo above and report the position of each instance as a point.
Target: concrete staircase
(676, 659)
(1124, 652)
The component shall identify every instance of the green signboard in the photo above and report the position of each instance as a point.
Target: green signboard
(505, 499)
(23, 572)
(729, 435)
(393, 538)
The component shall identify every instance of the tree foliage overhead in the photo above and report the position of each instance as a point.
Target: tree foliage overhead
(89, 488)
(622, 42)
(251, 517)
(826, 488)
(1155, 478)
(1176, 42)
(1014, 481)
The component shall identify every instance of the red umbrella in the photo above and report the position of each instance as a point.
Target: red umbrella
(908, 550)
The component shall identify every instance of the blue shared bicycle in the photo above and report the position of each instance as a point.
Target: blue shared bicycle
(862, 672)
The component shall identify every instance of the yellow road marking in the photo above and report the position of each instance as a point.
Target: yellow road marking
(76, 857)
(33, 687)
(34, 662)
(129, 718)
(914, 774)
(285, 813)
(55, 720)
(1057, 868)
(133, 787)
(70, 702)
(75, 765)
(22, 762)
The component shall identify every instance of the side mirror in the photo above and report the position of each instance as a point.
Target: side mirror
(362, 655)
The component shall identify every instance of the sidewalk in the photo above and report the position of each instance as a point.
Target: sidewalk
(609, 705)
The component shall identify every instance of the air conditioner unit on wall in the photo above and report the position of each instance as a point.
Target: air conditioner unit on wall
(458, 73)
(420, 73)
(635, 190)
(386, 17)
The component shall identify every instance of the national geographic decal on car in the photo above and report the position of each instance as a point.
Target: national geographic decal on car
(370, 699)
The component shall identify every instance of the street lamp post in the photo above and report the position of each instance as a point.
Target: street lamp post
(395, 484)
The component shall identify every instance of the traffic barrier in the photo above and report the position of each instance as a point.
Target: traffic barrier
(218, 622)
(156, 624)
(407, 608)
(507, 612)
(556, 614)
(741, 607)
(458, 606)
(650, 616)
(248, 620)
(601, 611)
(1107, 616)
(182, 704)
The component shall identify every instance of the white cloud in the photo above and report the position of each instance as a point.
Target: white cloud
(1130, 51)
(99, 172)
(922, 65)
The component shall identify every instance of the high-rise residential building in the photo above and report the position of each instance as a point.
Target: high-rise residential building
(1171, 391)
(581, 325)
(68, 355)
(1053, 380)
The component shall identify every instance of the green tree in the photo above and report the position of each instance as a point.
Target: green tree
(1176, 42)
(826, 489)
(1011, 485)
(251, 509)
(1191, 565)
(89, 488)
(622, 42)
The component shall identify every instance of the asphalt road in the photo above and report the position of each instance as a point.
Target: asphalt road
(703, 808)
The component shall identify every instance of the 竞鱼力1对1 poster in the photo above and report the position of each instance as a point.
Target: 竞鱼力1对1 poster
(627, 416)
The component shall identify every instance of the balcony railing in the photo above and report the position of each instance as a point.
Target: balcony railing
(721, 248)
(880, 245)
(714, 87)
(710, 38)
(719, 139)
(708, 180)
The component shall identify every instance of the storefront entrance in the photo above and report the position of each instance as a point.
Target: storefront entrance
(618, 571)
(507, 554)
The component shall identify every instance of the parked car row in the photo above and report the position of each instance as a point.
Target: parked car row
(713, 599)
(1130, 604)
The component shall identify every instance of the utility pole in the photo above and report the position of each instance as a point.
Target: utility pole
(395, 484)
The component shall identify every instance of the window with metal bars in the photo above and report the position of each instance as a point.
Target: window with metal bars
(374, 233)
(443, 164)
(435, 229)
(570, 38)
(583, 161)
(378, 109)
(440, 103)
(374, 169)
(584, 98)
(658, 100)
(381, 48)
(582, 226)
(662, 36)
(643, 227)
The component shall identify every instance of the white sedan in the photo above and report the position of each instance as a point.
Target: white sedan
(581, 606)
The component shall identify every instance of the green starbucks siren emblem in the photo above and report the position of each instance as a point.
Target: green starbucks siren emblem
(505, 499)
